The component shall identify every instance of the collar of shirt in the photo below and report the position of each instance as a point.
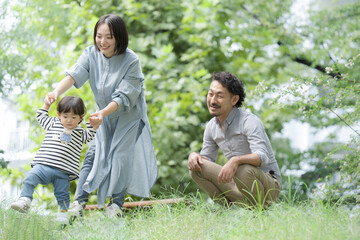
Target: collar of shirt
(229, 118)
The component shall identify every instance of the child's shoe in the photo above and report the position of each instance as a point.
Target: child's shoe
(22, 204)
(113, 211)
(76, 209)
(63, 219)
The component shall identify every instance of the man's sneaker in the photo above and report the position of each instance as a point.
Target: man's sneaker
(113, 211)
(76, 209)
(22, 204)
(63, 219)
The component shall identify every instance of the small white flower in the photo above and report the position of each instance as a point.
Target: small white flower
(349, 64)
(328, 69)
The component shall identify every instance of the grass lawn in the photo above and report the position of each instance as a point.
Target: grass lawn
(199, 220)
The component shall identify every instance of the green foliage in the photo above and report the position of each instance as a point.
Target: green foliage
(345, 189)
(15, 225)
(335, 101)
(180, 43)
(3, 163)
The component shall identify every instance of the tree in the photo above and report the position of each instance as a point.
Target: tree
(3, 163)
(180, 43)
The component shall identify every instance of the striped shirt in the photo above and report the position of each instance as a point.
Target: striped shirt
(53, 152)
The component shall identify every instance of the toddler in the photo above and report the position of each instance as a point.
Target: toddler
(57, 160)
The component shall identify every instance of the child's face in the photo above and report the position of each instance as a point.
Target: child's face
(70, 120)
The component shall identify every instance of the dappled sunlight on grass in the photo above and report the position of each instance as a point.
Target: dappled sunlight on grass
(193, 219)
(94, 225)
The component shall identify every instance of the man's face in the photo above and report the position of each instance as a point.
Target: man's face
(220, 101)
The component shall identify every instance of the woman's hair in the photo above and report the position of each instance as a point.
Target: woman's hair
(117, 29)
(232, 84)
(71, 104)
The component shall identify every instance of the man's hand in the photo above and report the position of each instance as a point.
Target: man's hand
(194, 162)
(95, 120)
(227, 172)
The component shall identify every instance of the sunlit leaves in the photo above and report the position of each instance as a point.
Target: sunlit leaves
(180, 44)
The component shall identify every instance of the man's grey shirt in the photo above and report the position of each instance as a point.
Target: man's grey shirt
(243, 134)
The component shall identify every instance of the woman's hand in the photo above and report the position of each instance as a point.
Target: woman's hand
(96, 119)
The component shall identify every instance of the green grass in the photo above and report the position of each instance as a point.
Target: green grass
(18, 226)
(198, 220)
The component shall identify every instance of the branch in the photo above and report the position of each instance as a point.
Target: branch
(343, 120)
(252, 14)
(337, 19)
(78, 2)
(309, 63)
(300, 60)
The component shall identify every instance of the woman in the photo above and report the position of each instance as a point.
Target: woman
(121, 159)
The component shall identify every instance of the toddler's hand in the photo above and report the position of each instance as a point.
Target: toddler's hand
(95, 120)
(50, 98)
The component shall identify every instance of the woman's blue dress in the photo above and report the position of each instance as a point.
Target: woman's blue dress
(124, 155)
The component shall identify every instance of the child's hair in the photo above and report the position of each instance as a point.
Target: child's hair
(71, 104)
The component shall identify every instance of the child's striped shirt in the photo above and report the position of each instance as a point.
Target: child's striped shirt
(52, 152)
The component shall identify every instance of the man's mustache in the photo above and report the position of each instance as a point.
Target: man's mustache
(215, 105)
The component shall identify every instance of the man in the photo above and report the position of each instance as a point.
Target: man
(251, 176)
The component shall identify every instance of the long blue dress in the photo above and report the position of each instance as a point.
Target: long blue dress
(124, 155)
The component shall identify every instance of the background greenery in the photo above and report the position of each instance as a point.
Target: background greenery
(293, 69)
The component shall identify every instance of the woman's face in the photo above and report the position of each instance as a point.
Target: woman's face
(105, 41)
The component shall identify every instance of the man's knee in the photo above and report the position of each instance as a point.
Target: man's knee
(195, 174)
(246, 171)
(246, 178)
(207, 169)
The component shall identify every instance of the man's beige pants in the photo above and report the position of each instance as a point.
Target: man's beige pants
(250, 186)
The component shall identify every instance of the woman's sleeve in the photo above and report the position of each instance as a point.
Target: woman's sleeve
(80, 70)
(127, 93)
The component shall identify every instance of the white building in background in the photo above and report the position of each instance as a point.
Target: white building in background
(15, 143)
(15, 139)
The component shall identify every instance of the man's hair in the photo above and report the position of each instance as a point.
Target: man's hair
(71, 104)
(117, 29)
(232, 84)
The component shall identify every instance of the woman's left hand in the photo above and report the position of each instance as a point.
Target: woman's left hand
(95, 120)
